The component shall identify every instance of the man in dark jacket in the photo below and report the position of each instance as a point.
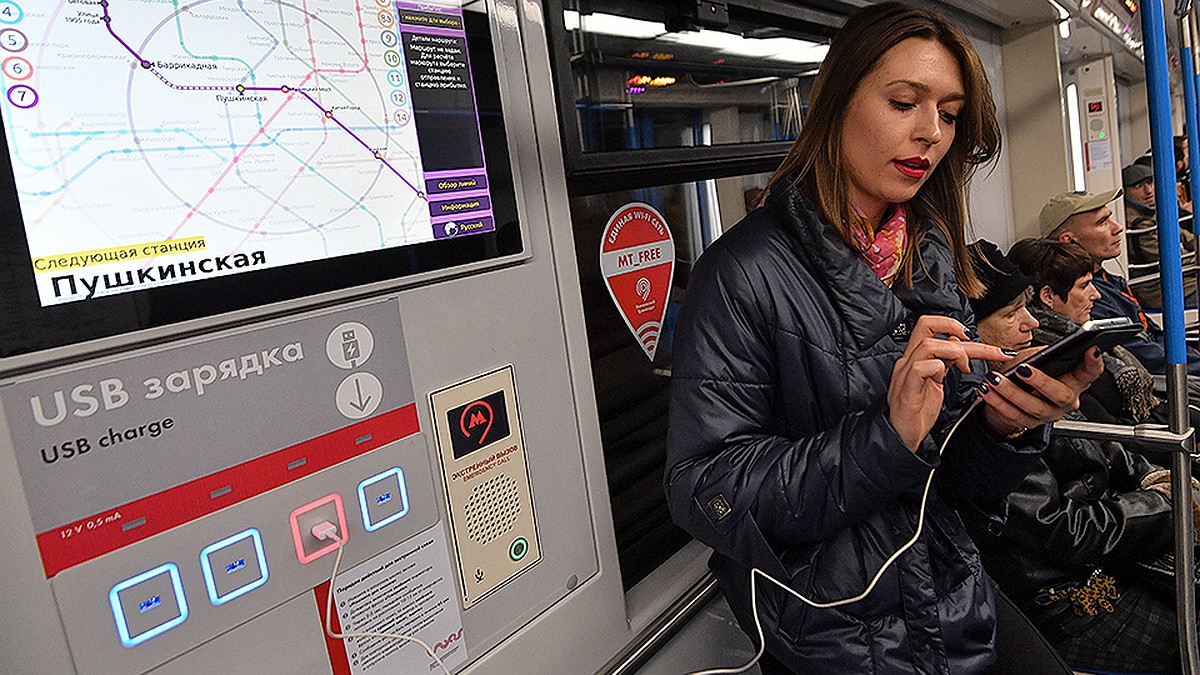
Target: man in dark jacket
(816, 489)
(1085, 218)
(1141, 230)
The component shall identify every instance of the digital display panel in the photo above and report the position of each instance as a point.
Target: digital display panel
(226, 153)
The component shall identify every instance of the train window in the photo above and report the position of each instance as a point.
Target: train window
(631, 391)
(689, 107)
(643, 80)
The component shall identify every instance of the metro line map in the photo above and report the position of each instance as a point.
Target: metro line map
(158, 141)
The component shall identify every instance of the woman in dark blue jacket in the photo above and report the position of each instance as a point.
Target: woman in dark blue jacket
(823, 355)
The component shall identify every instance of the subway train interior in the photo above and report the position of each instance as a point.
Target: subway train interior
(220, 218)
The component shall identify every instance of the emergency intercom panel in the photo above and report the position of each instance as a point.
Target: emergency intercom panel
(482, 457)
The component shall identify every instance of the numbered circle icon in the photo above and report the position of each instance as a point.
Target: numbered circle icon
(13, 40)
(398, 97)
(17, 68)
(402, 117)
(22, 96)
(386, 19)
(392, 58)
(384, 3)
(388, 38)
(395, 78)
(10, 12)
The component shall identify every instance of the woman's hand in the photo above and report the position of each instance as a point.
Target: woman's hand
(915, 393)
(1012, 410)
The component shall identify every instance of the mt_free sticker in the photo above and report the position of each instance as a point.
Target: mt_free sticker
(637, 260)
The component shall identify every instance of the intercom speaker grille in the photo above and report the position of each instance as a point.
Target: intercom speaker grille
(493, 508)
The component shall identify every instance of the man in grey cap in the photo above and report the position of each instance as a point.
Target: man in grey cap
(1085, 218)
(1142, 233)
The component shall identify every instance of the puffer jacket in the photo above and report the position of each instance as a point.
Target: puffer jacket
(780, 455)
(1079, 510)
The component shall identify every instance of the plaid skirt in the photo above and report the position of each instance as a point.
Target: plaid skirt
(1138, 636)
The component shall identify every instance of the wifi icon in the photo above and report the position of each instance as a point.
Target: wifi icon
(648, 336)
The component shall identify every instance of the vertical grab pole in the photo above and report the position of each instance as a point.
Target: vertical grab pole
(1170, 267)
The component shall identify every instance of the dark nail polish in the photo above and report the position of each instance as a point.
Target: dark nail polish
(1009, 352)
(994, 378)
(1024, 370)
(983, 388)
(1096, 352)
(971, 334)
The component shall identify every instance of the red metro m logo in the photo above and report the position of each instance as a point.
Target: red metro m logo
(478, 423)
(475, 415)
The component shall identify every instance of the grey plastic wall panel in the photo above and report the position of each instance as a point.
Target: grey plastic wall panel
(565, 614)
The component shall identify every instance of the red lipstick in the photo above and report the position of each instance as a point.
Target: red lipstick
(913, 167)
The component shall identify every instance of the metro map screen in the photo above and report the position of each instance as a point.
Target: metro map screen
(161, 142)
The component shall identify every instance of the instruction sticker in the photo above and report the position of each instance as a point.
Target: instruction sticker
(637, 259)
(404, 591)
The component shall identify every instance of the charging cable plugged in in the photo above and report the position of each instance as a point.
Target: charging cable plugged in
(326, 530)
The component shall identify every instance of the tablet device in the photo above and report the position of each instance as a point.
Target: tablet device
(1061, 357)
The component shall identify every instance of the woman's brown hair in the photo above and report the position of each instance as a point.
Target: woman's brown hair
(1056, 264)
(815, 163)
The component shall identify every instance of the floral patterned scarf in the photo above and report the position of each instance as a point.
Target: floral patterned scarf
(885, 251)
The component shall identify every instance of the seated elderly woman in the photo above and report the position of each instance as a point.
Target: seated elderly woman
(1081, 521)
(1062, 298)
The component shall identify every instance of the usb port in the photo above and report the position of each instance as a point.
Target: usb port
(383, 498)
(149, 604)
(235, 566)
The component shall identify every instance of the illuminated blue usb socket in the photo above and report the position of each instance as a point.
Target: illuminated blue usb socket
(383, 499)
(148, 605)
(241, 556)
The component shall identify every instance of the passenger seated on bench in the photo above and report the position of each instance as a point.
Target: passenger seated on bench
(1085, 219)
(1142, 233)
(1088, 511)
(1062, 299)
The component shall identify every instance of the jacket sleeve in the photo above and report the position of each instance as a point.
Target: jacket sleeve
(979, 468)
(732, 479)
(1049, 512)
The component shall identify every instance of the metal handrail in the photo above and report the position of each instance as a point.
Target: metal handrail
(1158, 91)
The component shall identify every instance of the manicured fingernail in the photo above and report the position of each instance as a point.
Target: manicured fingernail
(1024, 370)
(1096, 352)
(1009, 352)
(994, 378)
(983, 388)
(971, 334)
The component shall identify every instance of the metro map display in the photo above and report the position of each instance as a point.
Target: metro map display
(157, 142)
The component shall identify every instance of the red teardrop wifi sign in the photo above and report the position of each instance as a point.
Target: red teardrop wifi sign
(637, 259)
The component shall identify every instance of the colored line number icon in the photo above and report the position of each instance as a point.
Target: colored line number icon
(22, 96)
(386, 19)
(388, 38)
(392, 58)
(17, 68)
(398, 97)
(13, 40)
(395, 78)
(10, 12)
